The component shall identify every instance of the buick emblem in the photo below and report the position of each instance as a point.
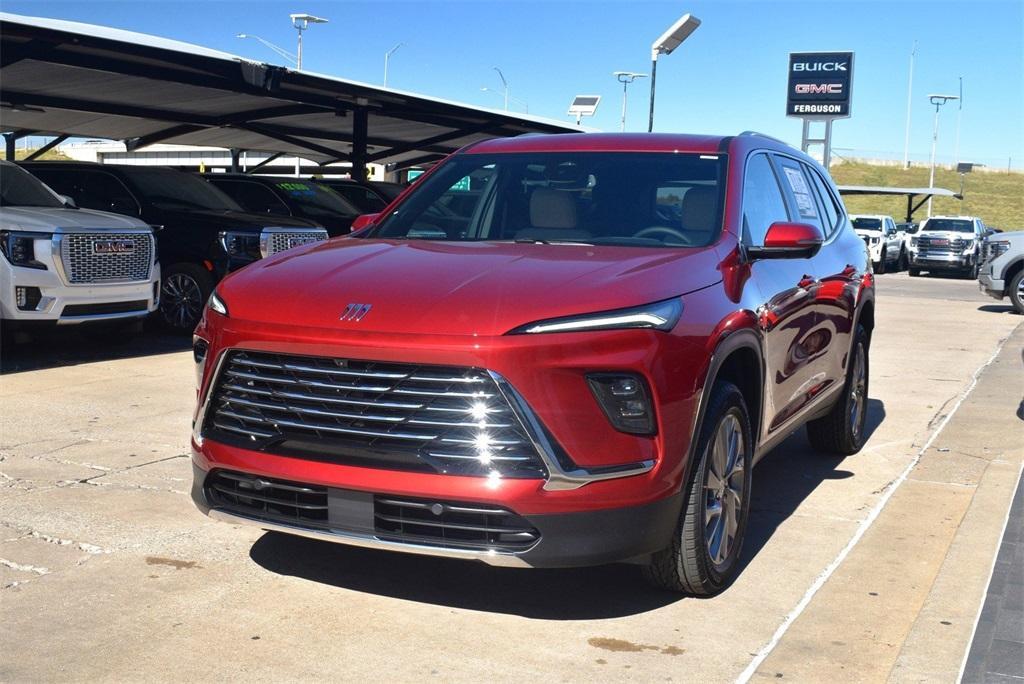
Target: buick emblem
(113, 247)
(355, 312)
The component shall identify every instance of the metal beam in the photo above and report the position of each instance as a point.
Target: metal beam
(10, 146)
(291, 140)
(132, 144)
(47, 147)
(360, 124)
(265, 162)
(235, 154)
(416, 161)
(427, 143)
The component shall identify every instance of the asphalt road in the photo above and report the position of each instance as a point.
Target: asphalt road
(851, 566)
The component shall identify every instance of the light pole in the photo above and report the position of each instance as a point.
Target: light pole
(523, 103)
(910, 88)
(625, 78)
(281, 51)
(301, 23)
(504, 84)
(959, 115)
(664, 45)
(387, 57)
(938, 101)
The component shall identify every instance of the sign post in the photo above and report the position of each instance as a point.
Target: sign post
(819, 90)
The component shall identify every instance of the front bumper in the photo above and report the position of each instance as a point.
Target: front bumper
(933, 261)
(566, 539)
(989, 284)
(63, 304)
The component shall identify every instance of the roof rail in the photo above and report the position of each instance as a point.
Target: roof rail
(762, 135)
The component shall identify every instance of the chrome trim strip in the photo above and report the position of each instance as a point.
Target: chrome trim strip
(366, 541)
(197, 425)
(85, 318)
(559, 478)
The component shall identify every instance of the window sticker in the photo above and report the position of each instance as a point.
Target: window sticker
(801, 192)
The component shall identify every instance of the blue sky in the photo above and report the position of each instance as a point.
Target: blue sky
(729, 76)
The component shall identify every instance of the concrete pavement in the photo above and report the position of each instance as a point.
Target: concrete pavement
(108, 573)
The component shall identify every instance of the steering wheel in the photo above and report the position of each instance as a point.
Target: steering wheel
(664, 230)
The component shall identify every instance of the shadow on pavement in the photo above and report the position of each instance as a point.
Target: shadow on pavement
(996, 308)
(781, 483)
(70, 346)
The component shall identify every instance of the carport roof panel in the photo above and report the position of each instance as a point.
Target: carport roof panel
(881, 190)
(78, 79)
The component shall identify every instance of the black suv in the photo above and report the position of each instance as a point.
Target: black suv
(302, 198)
(369, 198)
(204, 234)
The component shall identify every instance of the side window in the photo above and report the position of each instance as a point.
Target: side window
(762, 200)
(832, 212)
(797, 188)
(105, 192)
(253, 197)
(451, 214)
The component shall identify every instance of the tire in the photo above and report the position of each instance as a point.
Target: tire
(184, 290)
(903, 263)
(879, 265)
(841, 430)
(693, 564)
(914, 272)
(1016, 292)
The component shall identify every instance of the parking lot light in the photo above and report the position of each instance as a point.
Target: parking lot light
(625, 78)
(301, 23)
(938, 101)
(387, 58)
(279, 50)
(664, 45)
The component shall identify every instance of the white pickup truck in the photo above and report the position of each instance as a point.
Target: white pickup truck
(63, 265)
(948, 243)
(883, 239)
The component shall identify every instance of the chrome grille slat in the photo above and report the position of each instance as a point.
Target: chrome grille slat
(283, 240)
(82, 264)
(401, 416)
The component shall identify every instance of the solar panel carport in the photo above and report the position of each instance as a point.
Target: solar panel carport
(66, 78)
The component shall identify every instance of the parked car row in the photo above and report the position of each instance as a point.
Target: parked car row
(82, 245)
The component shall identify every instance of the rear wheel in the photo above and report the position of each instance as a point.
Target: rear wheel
(183, 294)
(841, 430)
(703, 558)
(1016, 292)
(903, 262)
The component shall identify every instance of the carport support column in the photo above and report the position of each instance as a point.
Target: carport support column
(235, 154)
(10, 145)
(360, 125)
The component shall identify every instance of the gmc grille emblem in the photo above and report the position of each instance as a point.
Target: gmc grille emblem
(113, 247)
(355, 312)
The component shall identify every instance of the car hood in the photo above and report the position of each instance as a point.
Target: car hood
(867, 232)
(47, 219)
(458, 288)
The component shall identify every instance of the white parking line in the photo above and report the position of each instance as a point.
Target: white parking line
(887, 493)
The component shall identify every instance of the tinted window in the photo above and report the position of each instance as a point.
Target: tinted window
(314, 199)
(803, 203)
(253, 197)
(18, 188)
(91, 189)
(170, 189)
(957, 225)
(827, 201)
(365, 199)
(609, 198)
(860, 223)
(762, 200)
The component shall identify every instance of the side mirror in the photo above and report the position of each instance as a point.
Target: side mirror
(69, 201)
(363, 221)
(785, 240)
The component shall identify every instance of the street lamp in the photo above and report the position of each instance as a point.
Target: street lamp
(281, 51)
(938, 101)
(387, 57)
(664, 45)
(625, 78)
(301, 23)
(504, 84)
(525, 105)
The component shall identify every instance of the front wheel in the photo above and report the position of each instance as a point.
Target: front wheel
(703, 558)
(1016, 292)
(903, 262)
(183, 294)
(841, 430)
(880, 264)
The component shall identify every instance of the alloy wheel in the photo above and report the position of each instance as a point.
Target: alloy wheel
(181, 300)
(858, 392)
(724, 488)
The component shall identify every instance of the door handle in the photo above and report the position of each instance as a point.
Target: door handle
(807, 282)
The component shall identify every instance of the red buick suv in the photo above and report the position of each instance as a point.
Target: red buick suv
(552, 351)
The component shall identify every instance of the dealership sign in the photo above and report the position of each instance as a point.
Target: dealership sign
(819, 85)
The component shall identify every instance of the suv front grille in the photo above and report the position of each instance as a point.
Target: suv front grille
(268, 499)
(281, 240)
(436, 419)
(106, 257)
(451, 525)
(941, 246)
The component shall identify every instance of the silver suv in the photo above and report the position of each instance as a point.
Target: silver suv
(1002, 269)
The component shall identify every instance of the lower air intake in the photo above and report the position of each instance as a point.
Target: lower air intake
(452, 525)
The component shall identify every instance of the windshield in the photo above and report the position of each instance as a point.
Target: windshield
(867, 224)
(170, 189)
(315, 199)
(19, 188)
(600, 198)
(955, 225)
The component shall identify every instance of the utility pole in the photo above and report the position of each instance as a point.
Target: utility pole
(625, 78)
(387, 58)
(910, 90)
(938, 101)
(959, 115)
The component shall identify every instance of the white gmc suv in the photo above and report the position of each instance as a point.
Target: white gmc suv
(63, 265)
(883, 239)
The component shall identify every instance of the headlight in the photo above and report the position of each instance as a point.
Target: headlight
(998, 248)
(19, 248)
(913, 242)
(875, 240)
(239, 244)
(657, 316)
(217, 304)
